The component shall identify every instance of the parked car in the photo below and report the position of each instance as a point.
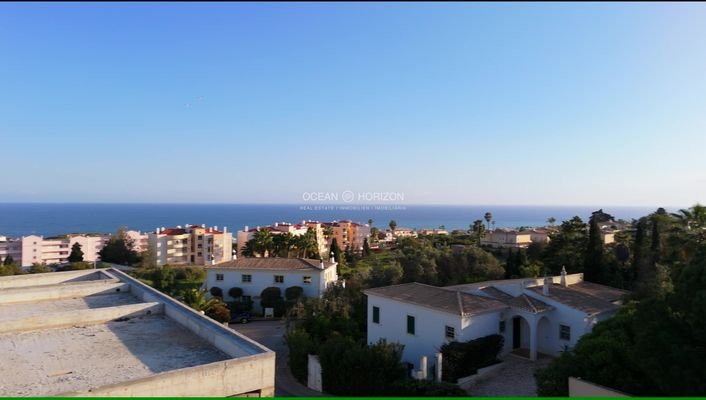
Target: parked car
(240, 317)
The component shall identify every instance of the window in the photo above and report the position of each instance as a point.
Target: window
(564, 332)
(410, 325)
(502, 326)
(306, 280)
(279, 278)
(450, 332)
(246, 278)
(219, 277)
(376, 314)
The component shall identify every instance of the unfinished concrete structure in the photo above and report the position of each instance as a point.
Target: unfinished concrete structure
(103, 333)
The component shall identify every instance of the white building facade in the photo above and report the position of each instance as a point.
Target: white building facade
(534, 316)
(253, 275)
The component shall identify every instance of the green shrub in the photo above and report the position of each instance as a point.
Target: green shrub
(462, 359)
(235, 292)
(293, 293)
(216, 292)
(373, 368)
(300, 346)
(219, 312)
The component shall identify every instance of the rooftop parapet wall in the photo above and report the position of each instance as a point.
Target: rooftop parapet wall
(74, 333)
(222, 337)
(54, 278)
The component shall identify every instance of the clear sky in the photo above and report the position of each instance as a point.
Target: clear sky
(543, 104)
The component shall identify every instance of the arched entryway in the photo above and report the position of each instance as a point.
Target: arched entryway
(520, 333)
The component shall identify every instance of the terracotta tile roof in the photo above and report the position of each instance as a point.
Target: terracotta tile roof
(496, 293)
(528, 303)
(172, 231)
(450, 301)
(577, 299)
(603, 292)
(273, 263)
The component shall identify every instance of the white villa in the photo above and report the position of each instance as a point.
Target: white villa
(255, 274)
(536, 316)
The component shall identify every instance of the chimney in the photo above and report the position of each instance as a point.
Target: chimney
(246, 228)
(545, 289)
(203, 226)
(563, 277)
(276, 224)
(215, 228)
(332, 258)
(156, 231)
(225, 229)
(321, 264)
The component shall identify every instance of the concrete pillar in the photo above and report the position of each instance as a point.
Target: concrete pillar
(423, 367)
(533, 339)
(439, 359)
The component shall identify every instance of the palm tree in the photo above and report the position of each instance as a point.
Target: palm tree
(306, 244)
(282, 244)
(196, 299)
(478, 228)
(248, 250)
(263, 242)
(370, 222)
(693, 221)
(551, 221)
(488, 217)
(393, 225)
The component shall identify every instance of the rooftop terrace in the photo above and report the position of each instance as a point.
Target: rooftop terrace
(102, 333)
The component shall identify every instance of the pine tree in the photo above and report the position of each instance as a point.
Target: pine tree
(8, 260)
(76, 253)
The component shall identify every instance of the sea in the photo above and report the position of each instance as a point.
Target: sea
(48, 219)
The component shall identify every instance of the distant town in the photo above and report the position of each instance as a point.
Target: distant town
(454, 312)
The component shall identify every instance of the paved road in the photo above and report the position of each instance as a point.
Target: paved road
(270, 333)
(514, 378)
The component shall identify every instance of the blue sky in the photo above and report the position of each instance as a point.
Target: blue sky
(542, 104)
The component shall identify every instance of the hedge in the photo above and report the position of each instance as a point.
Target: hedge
(462, 359)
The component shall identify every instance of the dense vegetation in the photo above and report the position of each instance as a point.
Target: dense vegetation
(657, 344)
(462, 359)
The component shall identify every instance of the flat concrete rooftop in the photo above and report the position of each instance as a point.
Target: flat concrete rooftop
(102, 333)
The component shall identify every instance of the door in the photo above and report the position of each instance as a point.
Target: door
(516, 336)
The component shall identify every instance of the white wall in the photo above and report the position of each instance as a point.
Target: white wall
(430, 328)
(262, 279)
(561, 315)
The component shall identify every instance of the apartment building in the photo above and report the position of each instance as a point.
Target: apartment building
(191, 245)
(347, 234)
(279, 228)
(507, 238)
(31, 249)
(140, 241)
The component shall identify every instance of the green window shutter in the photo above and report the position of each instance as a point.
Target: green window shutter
(376, 314)
(410, 325)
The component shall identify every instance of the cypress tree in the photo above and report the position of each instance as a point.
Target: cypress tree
(594, 262)
(76, 253)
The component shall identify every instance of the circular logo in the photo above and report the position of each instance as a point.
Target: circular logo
(347, 196)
